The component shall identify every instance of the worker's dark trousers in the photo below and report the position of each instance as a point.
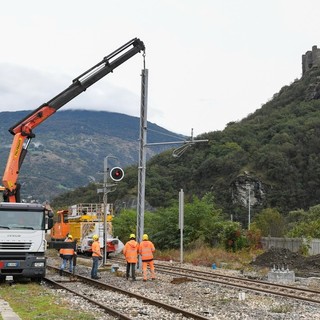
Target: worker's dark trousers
(131, 266)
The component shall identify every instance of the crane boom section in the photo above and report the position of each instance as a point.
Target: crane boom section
(22, 130)
(80, 84)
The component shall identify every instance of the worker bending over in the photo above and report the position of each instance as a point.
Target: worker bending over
(67, 254)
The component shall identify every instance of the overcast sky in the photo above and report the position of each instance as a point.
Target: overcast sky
(210, 61)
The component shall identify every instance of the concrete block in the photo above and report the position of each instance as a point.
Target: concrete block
(279, 276)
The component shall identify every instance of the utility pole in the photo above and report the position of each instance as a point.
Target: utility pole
(249, 206)
(181, 222)
(106, 189)
(142, 154)
(142, 158)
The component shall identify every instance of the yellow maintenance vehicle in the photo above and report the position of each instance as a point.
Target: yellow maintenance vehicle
(84, 220)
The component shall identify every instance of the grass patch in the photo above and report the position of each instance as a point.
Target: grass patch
(33, 301)
(205, 256)
(281, 309)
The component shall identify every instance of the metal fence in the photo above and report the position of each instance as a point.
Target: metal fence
(293, 244)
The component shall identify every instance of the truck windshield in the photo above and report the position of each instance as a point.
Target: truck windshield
(29, 220)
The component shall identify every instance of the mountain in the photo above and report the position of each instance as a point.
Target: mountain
(271, 158)
(70, 147)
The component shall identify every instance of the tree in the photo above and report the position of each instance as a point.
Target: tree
(124, 224)
(233, 237)
(308, 223)
(270, 222)
(203, 223)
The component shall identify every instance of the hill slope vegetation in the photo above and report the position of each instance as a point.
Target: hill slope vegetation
(275, 151)
(70, 147)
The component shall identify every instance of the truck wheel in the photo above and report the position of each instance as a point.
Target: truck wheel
(37, 279)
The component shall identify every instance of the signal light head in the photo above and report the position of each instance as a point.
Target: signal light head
(116, 174)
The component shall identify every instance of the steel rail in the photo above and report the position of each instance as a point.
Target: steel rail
(250, 284)
(156, 303)
(110, 311)
(281, 286)
(243, 283)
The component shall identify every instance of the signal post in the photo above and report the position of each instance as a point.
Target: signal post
(116, 174)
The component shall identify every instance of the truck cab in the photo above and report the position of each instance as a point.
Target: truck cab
(22, 240)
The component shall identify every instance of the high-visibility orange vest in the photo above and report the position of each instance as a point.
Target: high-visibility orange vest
(146, 249)
(67, 251)
(96, 249)
(131, 250)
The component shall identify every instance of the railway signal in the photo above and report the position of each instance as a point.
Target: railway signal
(116, 174)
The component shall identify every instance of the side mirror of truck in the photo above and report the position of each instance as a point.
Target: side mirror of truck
(50, 220)
(50, 223)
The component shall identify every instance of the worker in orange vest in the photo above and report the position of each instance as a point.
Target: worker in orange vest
(96, 256)
(130, 251)
(146, 250)
(67, 253)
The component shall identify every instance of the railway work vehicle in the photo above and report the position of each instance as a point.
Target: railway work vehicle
(23, 225)
(82, 221)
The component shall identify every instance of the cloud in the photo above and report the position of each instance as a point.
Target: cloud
(24, 88)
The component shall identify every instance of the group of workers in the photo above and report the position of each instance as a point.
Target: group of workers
(131, 251)
(68, 254)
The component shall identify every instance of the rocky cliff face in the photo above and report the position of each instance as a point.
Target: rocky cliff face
(313, 90)
(248, 190)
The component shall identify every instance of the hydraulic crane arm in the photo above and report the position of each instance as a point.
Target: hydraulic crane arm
(22, 130)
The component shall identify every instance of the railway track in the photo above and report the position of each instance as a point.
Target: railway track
(245, 283)
(308, 295)
(107, 295)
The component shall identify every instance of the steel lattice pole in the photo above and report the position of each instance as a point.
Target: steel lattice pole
(142, 158)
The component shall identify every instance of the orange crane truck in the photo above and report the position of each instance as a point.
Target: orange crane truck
(23, 225)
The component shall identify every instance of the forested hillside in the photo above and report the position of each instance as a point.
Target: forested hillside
(70, 147)
(275, 151)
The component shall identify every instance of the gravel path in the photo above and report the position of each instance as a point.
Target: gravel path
(210, 300)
